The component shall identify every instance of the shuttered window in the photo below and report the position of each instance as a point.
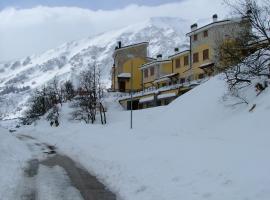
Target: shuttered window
(195, 37)
(186, 60)
(206, 54)
(205, 33)
(195, 57)
(152, 71)
(177, 63)
(146, 73)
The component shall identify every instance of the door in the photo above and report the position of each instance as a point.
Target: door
(122, 86)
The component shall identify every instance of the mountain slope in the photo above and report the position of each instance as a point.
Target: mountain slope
(19, 78)
(198, 147)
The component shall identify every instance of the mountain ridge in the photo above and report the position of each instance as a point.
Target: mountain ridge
(69, 59)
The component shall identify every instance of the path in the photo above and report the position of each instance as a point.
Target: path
(53, 176)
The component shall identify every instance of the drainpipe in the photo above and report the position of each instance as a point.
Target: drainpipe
(190, 56)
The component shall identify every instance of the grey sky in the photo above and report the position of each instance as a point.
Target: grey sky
(91, 4)
(33, 30)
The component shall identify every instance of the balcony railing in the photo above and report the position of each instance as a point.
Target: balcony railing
(152, 90)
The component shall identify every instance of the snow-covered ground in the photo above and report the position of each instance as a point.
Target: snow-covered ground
(198, 147)
(13, 157)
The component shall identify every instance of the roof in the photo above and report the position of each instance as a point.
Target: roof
(166, 77)
(206, 65)
(179, 53)
(222, 22)
(154, 62)
(146, 99)
(167, 95)
(170, 75)
(131, 46)
(124, 75)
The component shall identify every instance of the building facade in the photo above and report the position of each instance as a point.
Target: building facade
(126, 74)
(205, 41)
(159, 81)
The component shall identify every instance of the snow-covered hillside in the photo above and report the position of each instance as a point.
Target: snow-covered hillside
(13, 156)
(19, 78)
(198, 147)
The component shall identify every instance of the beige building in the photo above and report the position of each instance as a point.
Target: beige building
(159, 80)
(205, 41)
(127, 63)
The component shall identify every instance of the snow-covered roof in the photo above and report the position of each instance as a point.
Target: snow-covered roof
(167, 95)
(130, 46)
(150, 64)
(162, 80)
(165, 78)
(205, 65)
(146, 99)
(169, 75)
(213, 24)
(180, 53)
(124, 75)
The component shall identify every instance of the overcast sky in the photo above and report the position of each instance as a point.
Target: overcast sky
(91, 4)
(33, 26)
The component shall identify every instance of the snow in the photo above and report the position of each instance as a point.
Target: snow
(13, 155)
(206, 64)
(164, 96)
(162, 79)
(198, 147)
(67, 61)
(146, 99)
(124, 75)
(169, 75)
(54, 183)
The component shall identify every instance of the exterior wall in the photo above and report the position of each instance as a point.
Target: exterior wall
(160, 69)
(165, 69)
(123, 63)
(196, 70)
(137, 76)
(183, 70)
(149, 81)
(216, 36)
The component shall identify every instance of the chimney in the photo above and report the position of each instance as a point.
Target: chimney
(119, 44)
(194, 27)
(159, 57)
(176, 50)
(215, 18)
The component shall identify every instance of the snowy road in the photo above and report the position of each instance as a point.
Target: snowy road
(50, 176)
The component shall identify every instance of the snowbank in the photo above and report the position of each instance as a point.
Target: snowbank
(198, 147)
(13, 157)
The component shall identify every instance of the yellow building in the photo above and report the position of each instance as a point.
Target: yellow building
(205, 41)
(181, 65)
(158, 73)
(126, 72)
(159, 80)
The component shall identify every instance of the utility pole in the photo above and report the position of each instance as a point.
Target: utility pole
(131, 95)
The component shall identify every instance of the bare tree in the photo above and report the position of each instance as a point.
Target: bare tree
(89, 95)
(42, 101)
(247, 57)
(68, 91)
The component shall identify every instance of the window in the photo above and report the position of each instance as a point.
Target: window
(195, 57)
(182, 80)
(201, 76)
(146, 73)
(205, 33)
(206, 54)
(186, 60)
(195, 37)
(177, 63)
(152, 71)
